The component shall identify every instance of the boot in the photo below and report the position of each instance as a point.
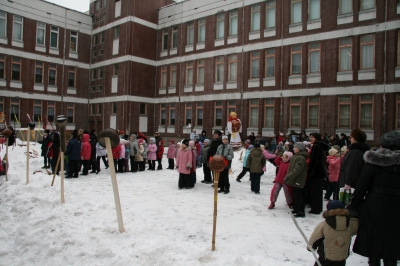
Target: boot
(221, 191)
(226, 191)
(374, 262)
(271, 206)
(300, 215)
(390, 262)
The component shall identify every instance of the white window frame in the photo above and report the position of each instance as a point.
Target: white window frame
(294, 2)
(255, 25)
(22, 28)
(73, 34)
(41, 26)
(340, 11)
(220, 20)
(314, 49)
(54, 31)
(233, 21)
(190, 32)
(201, 30)
(310, 5)
(3, 16)
(362, 4)
(270, 5)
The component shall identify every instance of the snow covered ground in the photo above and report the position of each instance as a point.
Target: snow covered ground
(164, 225)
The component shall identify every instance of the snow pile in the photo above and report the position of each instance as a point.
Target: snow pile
(164, 225)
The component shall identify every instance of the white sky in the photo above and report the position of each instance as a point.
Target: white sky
(78, 5)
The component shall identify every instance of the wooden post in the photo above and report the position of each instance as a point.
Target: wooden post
(27, 157)
(7, 164)
(216, 179)
(61, 158)
(114, 183)
(54, 174)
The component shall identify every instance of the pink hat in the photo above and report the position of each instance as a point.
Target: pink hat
(288, 154)
(191, 143)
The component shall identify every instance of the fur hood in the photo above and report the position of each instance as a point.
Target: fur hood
(382, 157)
(359, 146)
(338, 219)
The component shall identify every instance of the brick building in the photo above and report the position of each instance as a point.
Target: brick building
(155, 65)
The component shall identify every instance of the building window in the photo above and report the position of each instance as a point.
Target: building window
(366, 111)
(314, 52)
(165, 39)
(40, 33)
(97, 3)
(314, 9)
(253, 113)
(92, 109)
(18, 28)
(93, 89)
(219, 73)
(255, 18)
(270, 63)
(201, 30)
(143, 108)
(100, 72)
(233, 23)
(296, 60)
(232, 68)
(163, 76)
(103, 3)
(16, 68)
(95, 39)
(188, 114)
(190, 33)
(367, 4)
(172, 114)
(200, 71)
(52, 74)
(270, 13)
(99, 108)
(94, 74)
(14, 114)
(295, 112)
(296, 11)
(39, 72)
(70, 113)
(2, 66)
(231, 108)
(174, 43)
(37, 110)
(114, 108)
(218, 113)
(345, 54)
(54, 37)
(100, 88)
(199, 114)
(173, 75)
(189, 73)
(367, 52)
(101, 52)
(101, 37)
(344, 111)
(398, 111)
(116, 32)
(269, 113)
(71, 77)
(115, 69)
(345, 7)
(255, 64)
(313, 112)
(220, 26)
(51, 111)
(163, 115)
(3, 24)
(73, 46)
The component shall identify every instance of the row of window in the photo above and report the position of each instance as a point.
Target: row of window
(367, 55)
(39, 76)
(39, 112)
(97, 109)
(314, 6)
(344, 116)
(18, 32)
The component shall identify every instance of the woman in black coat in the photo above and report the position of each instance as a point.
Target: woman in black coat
(317, 172)
(378, 235)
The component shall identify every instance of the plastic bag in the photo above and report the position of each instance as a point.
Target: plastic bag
(345, 195)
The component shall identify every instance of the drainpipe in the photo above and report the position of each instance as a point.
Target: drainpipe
(384, 76)
(242, 90)
(281, 81)
(63, 64)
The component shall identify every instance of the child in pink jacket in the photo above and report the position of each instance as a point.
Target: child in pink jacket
(283, 164)
(171, 154)
(184, 164)
(335, 161)
(152, 154)
(268, 156)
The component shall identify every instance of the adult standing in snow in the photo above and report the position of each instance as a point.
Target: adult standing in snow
(194, 135)
(133, 151)
(54, 152)
(93, 161)
(74, 155)
(376, 196)
(184, 164)
(204, 158)
(203, 136)
(256, 162)
(226, 150)
(45, 144)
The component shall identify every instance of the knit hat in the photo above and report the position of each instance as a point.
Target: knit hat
(358, 135)
(257, 145)
(218, 132)
(287, 142)
(337, 147)
(250, 147)
(391, 140)
(300, 146)
(224, 137)
(153, 139)
(207, 140)
(343, 149)
(248, 141)
(140, 141)
(288, 154)
(186, 142)
(191, 143)
(262, 146)
(133, 136)
(172, 141)
(332, 152)
(335, 204)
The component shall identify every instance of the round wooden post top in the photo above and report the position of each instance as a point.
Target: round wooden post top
(110, 133)
(217, 163)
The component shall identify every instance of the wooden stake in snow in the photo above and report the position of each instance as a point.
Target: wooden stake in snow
(61, 123)
(31, 126)
(54, 175)
(7, 133)
(7, 164)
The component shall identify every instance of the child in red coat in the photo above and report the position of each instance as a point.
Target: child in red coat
(160, 153)
(115, 152)
(86, 152)
(283, 164)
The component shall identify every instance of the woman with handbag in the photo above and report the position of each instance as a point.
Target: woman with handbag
(379, 182)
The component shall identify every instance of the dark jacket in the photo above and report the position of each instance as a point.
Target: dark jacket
(377, 197)
(73, 150)
(352, 163)
(297, 171)
(93, 141)
(256, 161)
(214, 146)
(45, 145)
(317, 164)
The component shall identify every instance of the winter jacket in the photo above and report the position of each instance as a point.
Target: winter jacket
(246, 155)
(73, 150)
(145, 150)
(226, 151)
(54, 149)
(86, 150)
(283, 169)
(133, 147)
(317, 164)
(268, 156)
(151, 152)
(332, 237)
(202, 138)
(194, 156)
(352, 164)
(171, 151)
(334, 167)
(115, 152)
(198, 148)
(160, 151)
(297, 171)
(256, 161)
(193, 136)
(93, 147)
(122, 151)
(100, 150)
(127, 150)
(376, 196)
(184, 161)
(45, 145)
(139, 156)
(204, 158)
(214, 146)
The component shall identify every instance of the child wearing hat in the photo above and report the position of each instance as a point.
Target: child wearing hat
(245, 168)
(152, 154)
(334, 160)
(171, 154)
(184, 163)
(332, 237)
(283, 164)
